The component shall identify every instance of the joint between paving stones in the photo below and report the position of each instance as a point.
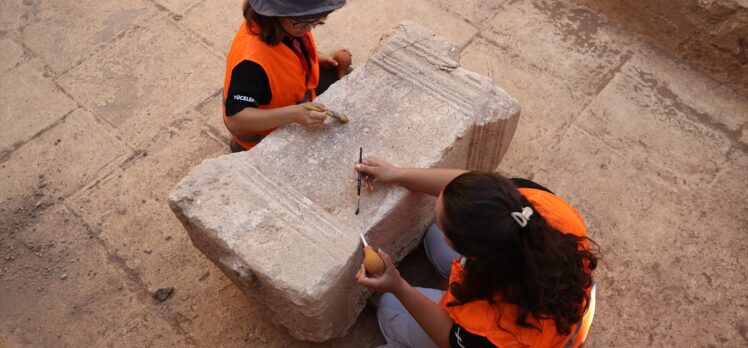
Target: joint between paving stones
(132, 275)
(136, 282)
(26, 52)
(108, 43)
(5, 155)
(467, 43)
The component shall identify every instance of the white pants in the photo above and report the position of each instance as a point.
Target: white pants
(397, 325)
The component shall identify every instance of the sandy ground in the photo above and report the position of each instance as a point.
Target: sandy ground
(106, 104)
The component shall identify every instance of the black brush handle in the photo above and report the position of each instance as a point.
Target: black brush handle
(360, 161)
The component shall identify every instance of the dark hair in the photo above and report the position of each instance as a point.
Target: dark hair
(537, 268)
(271, 31)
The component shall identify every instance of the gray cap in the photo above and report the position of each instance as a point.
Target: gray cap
(294, 8)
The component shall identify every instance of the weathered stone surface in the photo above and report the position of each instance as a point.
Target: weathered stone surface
(68, 31)
(60, 288)
(712, 35)
(180, 6)
(548, 104)
(10, 54)
(609, 115)
(673, 178)
(39, 172)
(14, 14)
(279, 220)
(666, 241)
(22, 112)
(211, 111)
(473, 11)
(360, 24)
(216, 21)
(146, 235)
(155, 73)
(580, 48)
(555, 67)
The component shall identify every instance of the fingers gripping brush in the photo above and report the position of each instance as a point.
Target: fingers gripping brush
(360, 160)
(336, 115)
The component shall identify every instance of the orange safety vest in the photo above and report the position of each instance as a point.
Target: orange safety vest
(285, 74)
(481, 318)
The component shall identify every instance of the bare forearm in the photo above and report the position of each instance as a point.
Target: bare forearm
(430, 316)
(256, 120)
(427, 180)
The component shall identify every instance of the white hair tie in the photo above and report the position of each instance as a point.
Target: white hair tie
(523, 216)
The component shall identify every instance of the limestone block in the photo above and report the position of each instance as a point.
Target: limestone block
(279, 219)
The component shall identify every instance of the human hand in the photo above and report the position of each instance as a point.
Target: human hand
(375, 170)
(309, 118)
(344, 59)
(327, 62)
(389, 281)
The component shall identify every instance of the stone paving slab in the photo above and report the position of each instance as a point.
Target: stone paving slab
(81, 298)
(646, 197)
(733, 174)
(708, 256)
(145, 234)
(148, 86)
(30, 103)
(663, 222)
(691, 92)
(658, 246)
(39, 172)
(476, 12)
(548, 106)
(360, 25)
(635, 91)
(631, 235)
(11, 54)
(65, 32)
(218, 314)
(211, 110)
(555, 66)
(217, 22)
(568, 42)
(15, 14)
(179, 6)
(708, 35)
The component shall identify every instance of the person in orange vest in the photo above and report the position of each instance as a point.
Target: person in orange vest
(517, 258)
(273, 66)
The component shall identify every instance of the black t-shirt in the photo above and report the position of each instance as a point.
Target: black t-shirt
(461, 338)
(458, 336)
(250, 87)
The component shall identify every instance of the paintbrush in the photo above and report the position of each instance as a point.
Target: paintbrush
(336, 115)
(360, 161)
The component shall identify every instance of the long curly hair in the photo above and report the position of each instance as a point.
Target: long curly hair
(541, 270)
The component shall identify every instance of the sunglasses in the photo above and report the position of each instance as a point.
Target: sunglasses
(301, 24)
